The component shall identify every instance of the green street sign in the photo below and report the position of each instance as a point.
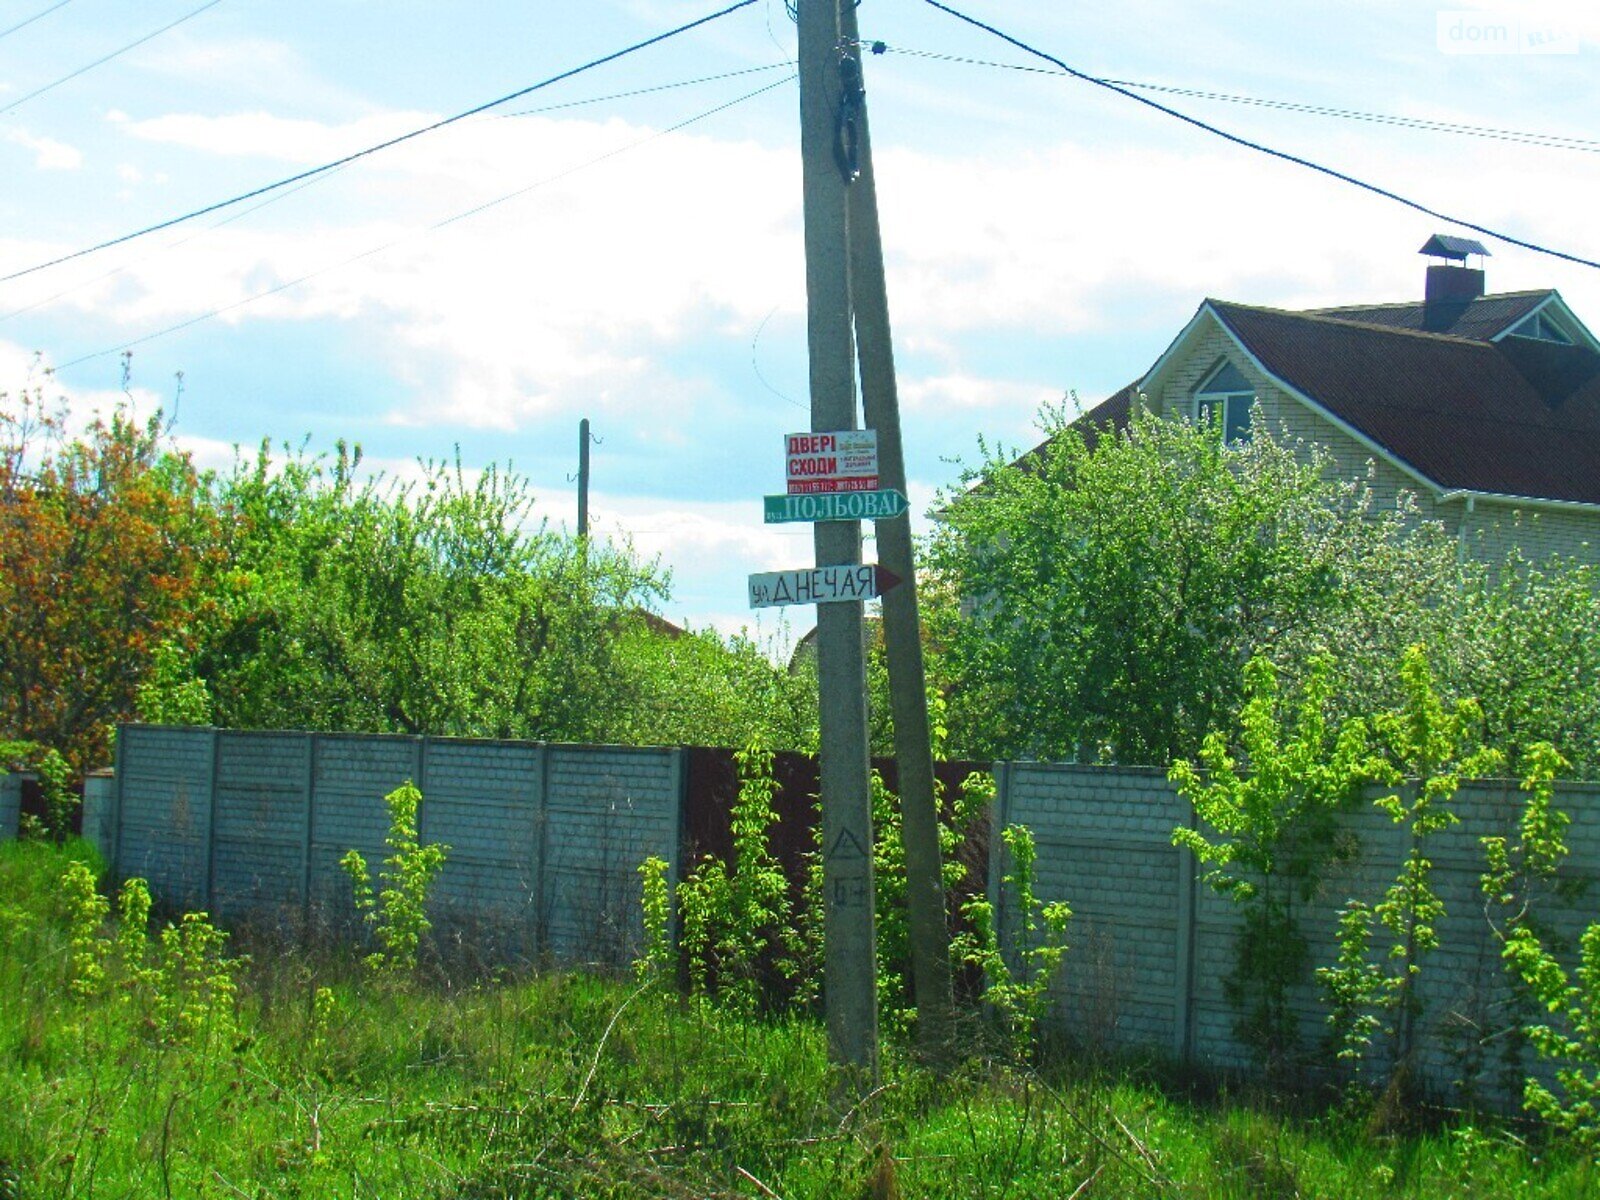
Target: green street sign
(880, 505)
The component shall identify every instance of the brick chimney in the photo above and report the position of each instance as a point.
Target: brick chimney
(1452, 285)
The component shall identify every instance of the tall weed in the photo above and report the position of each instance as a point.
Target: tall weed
(396, 908)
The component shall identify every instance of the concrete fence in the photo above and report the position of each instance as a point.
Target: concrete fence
(545, 840)
(10, 804)
(1153, 945)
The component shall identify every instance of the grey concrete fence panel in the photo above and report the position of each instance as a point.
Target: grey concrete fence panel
(545, 841)
(1153, 945)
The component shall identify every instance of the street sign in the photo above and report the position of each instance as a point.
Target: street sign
(878, 505)
(820, 585)
(844, 461)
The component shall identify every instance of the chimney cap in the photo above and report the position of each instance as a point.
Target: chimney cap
(1443, 246)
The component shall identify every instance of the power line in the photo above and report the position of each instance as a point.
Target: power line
(172, 245)
(1552, 141)
(437, 225)
(99, 62)
(384, 145)
(26, 21)
(646, 91)
(275, 197)
(1259, 147)
(282, 195)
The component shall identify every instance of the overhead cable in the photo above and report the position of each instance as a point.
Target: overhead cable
(437, 225)
(374, 149)
(1261, 148)
(26, 21)
(284, 194)
(287, 192)
(1551, 141)
(100, 62)
(645, 91)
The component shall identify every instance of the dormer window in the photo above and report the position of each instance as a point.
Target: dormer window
(1226, 397)
(1541, 328)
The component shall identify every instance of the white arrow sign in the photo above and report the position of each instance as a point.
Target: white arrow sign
(820, 585)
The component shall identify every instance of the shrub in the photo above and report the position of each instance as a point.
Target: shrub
(734, 915)
(1018, 998)
(1520, 874)
(1429, 750)
(397, 909)
(1272, 835)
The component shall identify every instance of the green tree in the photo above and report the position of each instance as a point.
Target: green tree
(703, 689)
(438, 605)
(1097, 598)
(1525, 642)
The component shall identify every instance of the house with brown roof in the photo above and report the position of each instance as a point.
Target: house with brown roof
(1486, 408)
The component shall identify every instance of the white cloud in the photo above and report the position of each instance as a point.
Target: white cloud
(263, 135)
(585, 289)
(941, 393)
(48, 154)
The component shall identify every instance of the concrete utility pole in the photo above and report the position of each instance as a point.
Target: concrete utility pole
(583, 478)
(902, 626)
(849, 966)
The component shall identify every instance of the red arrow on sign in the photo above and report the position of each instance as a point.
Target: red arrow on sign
(884, 579)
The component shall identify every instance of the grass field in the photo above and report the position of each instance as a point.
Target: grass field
(328, 1084)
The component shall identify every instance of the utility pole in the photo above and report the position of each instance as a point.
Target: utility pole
(902, 627)
(849, 962)
(583, 478)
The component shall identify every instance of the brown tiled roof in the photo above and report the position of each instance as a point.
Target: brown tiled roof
(1112, 413)
(1515, 417)
(1479, 319)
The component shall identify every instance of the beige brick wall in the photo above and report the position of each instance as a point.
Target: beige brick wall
(1488, 532)
(1492, 529)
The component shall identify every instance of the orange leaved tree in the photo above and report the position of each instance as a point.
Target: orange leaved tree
(102, 544)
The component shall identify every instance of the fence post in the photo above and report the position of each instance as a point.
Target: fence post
(10, 805)
(309, 786)
(680, 791)
(419, 780)
(117, 767)
(1183, 989)
(211, 826)
(541, 820)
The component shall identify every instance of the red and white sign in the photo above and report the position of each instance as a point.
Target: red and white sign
(845, 461)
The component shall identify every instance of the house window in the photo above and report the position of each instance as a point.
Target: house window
(1226, 396)
(1541, 328)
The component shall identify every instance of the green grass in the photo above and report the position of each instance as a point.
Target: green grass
(567, 1085)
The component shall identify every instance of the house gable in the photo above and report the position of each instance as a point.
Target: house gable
(1168, 389)
(1498, 436)
(1554, 308)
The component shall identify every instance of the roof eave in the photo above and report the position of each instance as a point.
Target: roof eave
(1583, 506)
(1153, 377)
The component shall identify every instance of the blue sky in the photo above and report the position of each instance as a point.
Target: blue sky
(1043, 236)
